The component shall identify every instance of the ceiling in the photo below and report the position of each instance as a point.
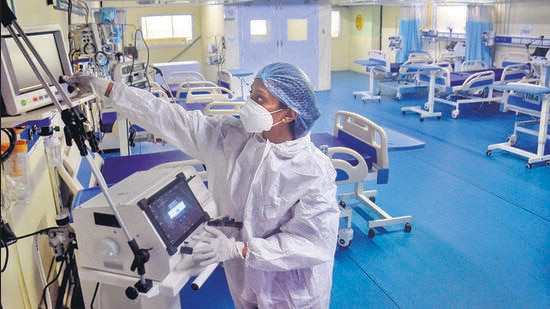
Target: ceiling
(333, 2)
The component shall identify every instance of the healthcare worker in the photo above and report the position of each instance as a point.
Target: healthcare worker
(263, 170)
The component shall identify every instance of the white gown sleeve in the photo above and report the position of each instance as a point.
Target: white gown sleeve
(186, 130)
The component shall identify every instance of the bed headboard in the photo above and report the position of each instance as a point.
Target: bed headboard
(422, 57)
(510, 58)
(473, 65)
(366, 132)
(383, 58)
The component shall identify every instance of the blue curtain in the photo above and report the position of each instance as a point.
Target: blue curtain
(479, 20)
(409, 30)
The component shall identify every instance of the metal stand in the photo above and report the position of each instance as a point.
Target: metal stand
(428, 109)
(369, 94)
(241, 75)
(159, 71)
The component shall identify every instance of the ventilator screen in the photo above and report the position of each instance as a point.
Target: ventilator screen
(175, 212)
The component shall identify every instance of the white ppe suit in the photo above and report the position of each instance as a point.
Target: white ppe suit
(285, 195)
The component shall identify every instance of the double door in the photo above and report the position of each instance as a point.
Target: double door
(287, 33)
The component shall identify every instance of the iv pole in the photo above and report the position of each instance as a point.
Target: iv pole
(74, 120)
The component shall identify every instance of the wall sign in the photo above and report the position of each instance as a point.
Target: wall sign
(359, 21)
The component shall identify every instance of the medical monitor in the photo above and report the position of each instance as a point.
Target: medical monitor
(540, 52)
(22, 90)
(175, 212)
(160, 207)
(451, 45)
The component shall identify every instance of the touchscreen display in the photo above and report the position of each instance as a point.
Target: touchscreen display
(175, 212)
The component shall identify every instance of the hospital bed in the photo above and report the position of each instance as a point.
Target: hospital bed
(458, 88)
(383, 64)
(402, 77)
(359, 151)
(191, 87)
(472, 86)
(225, 79)
(449, 58)
(202, 92)
(176, 78)
(378, 64)
(511, 72)
(532, 100)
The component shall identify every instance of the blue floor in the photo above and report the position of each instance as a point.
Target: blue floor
(481, 228)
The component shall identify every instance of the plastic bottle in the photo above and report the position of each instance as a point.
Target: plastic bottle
(52, 144)
(16, 173)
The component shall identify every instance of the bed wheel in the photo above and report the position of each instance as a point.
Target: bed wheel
(408, 227)
(345, 236)
(342, 243)
(512, 139)
(421, 119)
(372, 199)
(454, 114)
(342, 204)
(403, 112)
(488, 153)
(529, 165)
(371, 233)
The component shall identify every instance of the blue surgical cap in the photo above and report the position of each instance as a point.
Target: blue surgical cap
(292, 87)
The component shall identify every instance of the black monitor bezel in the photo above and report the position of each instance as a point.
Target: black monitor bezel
(144, 204)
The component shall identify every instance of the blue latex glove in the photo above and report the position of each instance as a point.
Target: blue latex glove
(216, 247)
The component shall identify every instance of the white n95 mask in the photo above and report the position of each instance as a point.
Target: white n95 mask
(256, 118)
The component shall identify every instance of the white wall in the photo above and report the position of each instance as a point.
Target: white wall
(340, 51)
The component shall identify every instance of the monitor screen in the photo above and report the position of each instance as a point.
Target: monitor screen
(175, 212)
(451, 45)
(22, 90)
(25, 79)
(540, 52)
